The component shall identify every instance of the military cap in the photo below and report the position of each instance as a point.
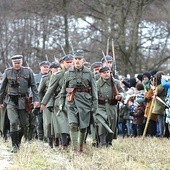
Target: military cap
(54, 65)
(43, 63)
(96, 64)
(107, 57)
(79, 54)
(16, 58)
(68, 57)
(104, 68)
(87, 64)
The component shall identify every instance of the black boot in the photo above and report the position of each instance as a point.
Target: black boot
(50, 142)
(14, 138)
(19, 137)
(56, 142)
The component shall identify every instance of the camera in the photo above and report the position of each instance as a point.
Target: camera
(79, 84)
(14, 84)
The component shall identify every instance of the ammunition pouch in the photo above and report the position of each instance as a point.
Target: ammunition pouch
(70, 94)
(14, 84)
(103, 101)
(28, 103)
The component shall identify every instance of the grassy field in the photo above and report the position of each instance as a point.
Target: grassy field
(125, 154)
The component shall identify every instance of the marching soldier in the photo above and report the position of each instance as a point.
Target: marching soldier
(16, 83)
(79, 94)
(109, 93)
(95, 68)
(60, 120)
(47, 113)
(107, 61)
(44, 68)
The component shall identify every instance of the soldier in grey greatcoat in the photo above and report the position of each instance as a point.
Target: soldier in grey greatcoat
(95, 68)
(109, 93)
(48, 112)
(44, 68)
(16, 83)
(60, 120)
(79, 94)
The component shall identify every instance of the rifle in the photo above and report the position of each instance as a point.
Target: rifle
(113, 53)
(72, 47)
(62, 49)
(107, 47)
(56, 60)
(46, 57)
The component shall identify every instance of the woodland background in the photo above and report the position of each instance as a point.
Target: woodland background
(38, 28)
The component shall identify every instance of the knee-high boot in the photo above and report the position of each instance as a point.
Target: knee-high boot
(102, 138)
(50, 141)
(82, 134)
(74, 139)
(19, 137)
(14, 138)
(81, 140)
(64, 140)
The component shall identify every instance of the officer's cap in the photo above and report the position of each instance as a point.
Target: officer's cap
(107, 57)
(79, 54)
(68, 57)
(17, 58)
(54, 65)
(96, 64)
(44, 63)
(104, 68)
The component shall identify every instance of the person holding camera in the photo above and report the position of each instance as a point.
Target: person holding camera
(14, 94)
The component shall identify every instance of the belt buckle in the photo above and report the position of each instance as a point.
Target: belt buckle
(106, 100)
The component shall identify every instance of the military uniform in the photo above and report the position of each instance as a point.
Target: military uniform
(106, 114)
(4, 123)
(95, 68)
(16, 84)
(84, 102)
(38, 114)
(47, 113)
(59, 118)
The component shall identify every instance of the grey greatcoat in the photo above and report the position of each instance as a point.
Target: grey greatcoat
(14, 88)
(107, 112)
(84, 103)
(2, 119)
(47, 114)
(60, 120)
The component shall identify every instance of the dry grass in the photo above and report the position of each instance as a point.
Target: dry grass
(125, 154)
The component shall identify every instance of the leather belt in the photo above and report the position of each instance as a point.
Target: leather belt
(83, 90)
(17, 95)
(109, 101)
